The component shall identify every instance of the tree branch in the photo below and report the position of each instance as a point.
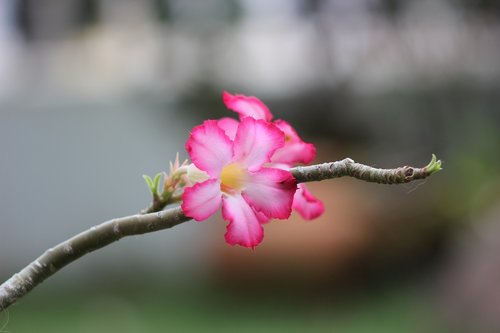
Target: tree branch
(347, 167)
(111, 231)
(85, 242)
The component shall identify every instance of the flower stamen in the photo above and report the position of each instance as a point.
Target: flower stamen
(233, 178)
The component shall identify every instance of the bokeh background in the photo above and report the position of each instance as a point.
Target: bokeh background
(95, 93)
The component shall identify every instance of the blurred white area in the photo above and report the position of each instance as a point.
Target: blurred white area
(9, 50)
(271, 48)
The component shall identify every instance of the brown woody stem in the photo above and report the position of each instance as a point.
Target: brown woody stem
(154, 218)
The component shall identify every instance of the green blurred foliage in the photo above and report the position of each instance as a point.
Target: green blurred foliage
(401, 310)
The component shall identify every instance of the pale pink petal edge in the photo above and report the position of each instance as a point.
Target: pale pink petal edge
(244, 226)
(209, 147)
(202, 200)
(229, 126)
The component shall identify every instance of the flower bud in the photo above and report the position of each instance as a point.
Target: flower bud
(195, 175)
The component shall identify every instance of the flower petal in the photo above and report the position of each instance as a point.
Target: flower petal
(202, 200)
(271, 192)
(263, 218)
(244, 227)
(209, 147)
(290, 132)
(247, 106)
(255, 142)
(295, 150)
(295, 153)
(307, 205)
(229, 126)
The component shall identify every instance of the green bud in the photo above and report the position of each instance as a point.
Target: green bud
(434, 165)
(151, 185)
(156, 181)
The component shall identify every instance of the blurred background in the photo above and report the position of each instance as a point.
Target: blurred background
(95, 93)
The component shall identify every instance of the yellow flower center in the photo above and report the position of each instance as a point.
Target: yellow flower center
(233, 177)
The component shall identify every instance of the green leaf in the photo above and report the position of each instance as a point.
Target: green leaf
(150, 184)
(156, 181)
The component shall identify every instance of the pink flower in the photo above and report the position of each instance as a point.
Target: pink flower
(295, 150)
(248, 192)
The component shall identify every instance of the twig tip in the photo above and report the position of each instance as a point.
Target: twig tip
(434, 165)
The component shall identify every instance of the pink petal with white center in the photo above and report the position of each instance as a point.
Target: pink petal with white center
(209, 147)
(271, 192)
(307, 205)
(244, 227)
(295, 151)
(229, 126)
(247, 106)
(202, 200)
(255, 142)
